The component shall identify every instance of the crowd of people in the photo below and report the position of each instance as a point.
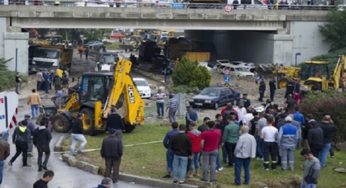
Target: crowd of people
(240, 132)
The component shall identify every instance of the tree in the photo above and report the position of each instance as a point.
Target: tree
(190, 74)
(335, 30)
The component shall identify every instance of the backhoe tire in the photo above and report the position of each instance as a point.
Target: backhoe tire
(61, 123)
(88, 121)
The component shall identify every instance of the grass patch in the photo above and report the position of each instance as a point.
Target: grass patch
(149, 160)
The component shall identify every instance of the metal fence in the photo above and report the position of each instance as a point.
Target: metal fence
(158, 4)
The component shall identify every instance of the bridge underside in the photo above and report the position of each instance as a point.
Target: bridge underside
(146, 24)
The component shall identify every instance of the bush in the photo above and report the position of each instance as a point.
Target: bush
(188, 73)
(7, 78)
(331, 102)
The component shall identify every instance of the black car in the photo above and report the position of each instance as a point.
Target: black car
(215, 97)
(109, 58)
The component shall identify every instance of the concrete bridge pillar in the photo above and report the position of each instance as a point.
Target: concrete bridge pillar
(282, 49)
(10, 40)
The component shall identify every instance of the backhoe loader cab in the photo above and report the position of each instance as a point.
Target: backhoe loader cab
(315, 69)
(98, 92)
(95, 86)
(316, 75)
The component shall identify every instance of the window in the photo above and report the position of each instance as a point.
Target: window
(95, 88)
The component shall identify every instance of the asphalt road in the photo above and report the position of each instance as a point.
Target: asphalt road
(65, 176)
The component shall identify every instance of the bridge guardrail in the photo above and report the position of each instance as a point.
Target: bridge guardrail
(161, 5)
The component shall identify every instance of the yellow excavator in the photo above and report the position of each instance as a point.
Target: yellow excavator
(315, 75)
(97, 93)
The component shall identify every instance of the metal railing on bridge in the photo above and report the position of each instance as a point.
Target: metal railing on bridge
(161, 5)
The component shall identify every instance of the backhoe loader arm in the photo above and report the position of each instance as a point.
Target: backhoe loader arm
(339, 71)
(123, 84)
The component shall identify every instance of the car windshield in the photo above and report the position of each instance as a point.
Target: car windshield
(210, 92)
(109, 59)
(47, 53)
(141, 83)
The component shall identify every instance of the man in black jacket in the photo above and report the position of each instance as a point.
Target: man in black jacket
(111, 151)
(77, 135)
(315, 138)
(261, 89)
(42, 139)
(20, 137)
(329, 130)
(272, 89)
(114, 121)
(182, 149)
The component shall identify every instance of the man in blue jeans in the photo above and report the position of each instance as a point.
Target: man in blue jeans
(77, 135)
(182, 148)
(244, 151)
(329, 130)
(169, 152)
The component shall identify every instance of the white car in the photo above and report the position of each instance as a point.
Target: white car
(143, 87)
(243, 72)
(205, 64)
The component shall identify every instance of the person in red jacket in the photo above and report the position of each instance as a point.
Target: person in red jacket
(196, 140)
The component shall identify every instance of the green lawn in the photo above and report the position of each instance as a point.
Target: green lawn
(149, 160)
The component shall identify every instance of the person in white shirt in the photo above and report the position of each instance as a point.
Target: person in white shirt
(160, 101)
(269, 135)
(241, 112)
(244, 151)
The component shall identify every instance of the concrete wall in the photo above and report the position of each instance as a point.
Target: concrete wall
(282, 49)
(307, 40)
(17, 40)
(9, 41)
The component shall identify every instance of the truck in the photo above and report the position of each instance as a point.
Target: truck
(96, 94)
(44, 55)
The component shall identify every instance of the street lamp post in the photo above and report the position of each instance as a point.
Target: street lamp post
(296, 58)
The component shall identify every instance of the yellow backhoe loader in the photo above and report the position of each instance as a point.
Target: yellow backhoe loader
(315, 75)
(97, 93)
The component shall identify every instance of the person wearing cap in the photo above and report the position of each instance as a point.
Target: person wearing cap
(111, 152)
(20, 137)
(42, 138)
(245, 149)
(287, 138)
(77, 135)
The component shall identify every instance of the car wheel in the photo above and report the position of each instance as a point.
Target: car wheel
(216, 105)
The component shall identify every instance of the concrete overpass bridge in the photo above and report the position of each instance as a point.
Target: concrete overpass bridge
(257, 35)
